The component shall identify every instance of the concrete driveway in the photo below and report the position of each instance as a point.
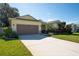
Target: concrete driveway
(48, 46)
(32, 37)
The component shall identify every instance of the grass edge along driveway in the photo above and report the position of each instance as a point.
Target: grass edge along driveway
(72, 37)
(13, 48)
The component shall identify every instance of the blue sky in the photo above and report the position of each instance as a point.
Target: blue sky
(50, 11)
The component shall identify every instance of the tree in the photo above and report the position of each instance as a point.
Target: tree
(52, 26)
(56, 26)
(6, 11)
(69, 29)
(61, 25)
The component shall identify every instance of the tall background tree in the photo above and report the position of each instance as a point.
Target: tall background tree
(6, 11)
(60, 27)
(56, 26)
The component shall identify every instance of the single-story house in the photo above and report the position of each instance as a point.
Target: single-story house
(75, 27)
(24, 25)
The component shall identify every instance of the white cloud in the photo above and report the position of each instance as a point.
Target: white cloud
(22, 12)
(51, 20)
(37, 17)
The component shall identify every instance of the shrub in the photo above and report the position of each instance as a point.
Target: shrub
(8, 33)
(44, 31)
(1, 35)
(50, 34)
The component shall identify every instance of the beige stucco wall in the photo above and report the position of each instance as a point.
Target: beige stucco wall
(14, 22)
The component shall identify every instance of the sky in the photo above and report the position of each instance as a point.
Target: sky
(50, 11)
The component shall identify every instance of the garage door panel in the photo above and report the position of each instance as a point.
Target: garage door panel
(27, 29)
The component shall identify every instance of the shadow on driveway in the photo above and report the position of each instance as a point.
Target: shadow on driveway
(32, 37)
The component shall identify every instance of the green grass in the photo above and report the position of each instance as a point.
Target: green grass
(73, 37)
(13, 48)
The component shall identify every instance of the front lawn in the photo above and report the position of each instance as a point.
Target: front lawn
(13, 48)
(73, 37)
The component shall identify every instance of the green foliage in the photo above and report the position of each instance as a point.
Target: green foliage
(9, 33)
(49, 27)
(6, 11)
(61, 25)
(52, 27)
(50, 34)
(7, 30)
(1, 35)
(69, 29)
(56, 26)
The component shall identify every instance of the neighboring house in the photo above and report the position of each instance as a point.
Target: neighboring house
(25, 25)
(75, 27)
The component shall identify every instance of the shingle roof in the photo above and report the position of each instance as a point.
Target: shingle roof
(27, 17)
